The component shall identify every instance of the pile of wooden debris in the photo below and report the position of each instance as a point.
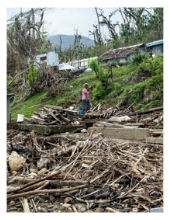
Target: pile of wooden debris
(67, 173)
(53, 115)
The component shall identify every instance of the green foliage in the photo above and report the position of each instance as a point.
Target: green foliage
(94, 65)
(137, 93)
(9, 88)
(33, 73)
(102, 75)
(146, 94)
(156, 83)
(137, 59)
(152, 65)
(99, 91)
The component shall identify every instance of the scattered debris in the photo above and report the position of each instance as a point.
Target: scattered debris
(83, 173)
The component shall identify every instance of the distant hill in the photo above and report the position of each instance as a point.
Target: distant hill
(68, 40)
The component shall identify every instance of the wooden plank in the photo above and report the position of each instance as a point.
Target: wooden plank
(146, 111)
(25, 205)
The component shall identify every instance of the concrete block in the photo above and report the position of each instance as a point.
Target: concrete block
(51, 129)
(123, 133)
(154, 140)
(157, 209)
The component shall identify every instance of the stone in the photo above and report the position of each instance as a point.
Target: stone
(123, 133)
(154, 140)
(83, 131)
(43, 210)
(56, 207)
(42, 163)
(119, 118)
(81, 207)
(66, 207)
(16, 161)
(157, 209)
(76, 123)
(99, 210)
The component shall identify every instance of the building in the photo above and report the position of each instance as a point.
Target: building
(155, 47)
(51, 59)
(81, 63)
(123, 54)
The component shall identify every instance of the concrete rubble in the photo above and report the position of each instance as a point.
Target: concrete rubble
(103, 167)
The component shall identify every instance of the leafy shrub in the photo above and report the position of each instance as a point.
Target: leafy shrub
(94, 65)
(156, 82)
(99, 91)
(32, 76)
(137, 93)
(137, 59)
(154, 66)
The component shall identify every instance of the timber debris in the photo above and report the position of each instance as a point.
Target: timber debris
(83, 173)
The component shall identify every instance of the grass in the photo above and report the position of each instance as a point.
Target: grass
(39, 100)
(145, 94)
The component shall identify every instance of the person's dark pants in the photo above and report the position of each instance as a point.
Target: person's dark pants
(85, 105)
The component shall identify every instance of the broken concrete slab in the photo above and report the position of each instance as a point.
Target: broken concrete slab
(48, 129)
(157, 209)
(123, 133)
(154, 140)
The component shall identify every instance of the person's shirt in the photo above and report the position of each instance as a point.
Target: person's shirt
(85, 94)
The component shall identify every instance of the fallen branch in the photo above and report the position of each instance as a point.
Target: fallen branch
(25, 205)
(59, 191)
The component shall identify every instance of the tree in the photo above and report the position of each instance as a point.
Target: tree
(24, 36)
(96, 32)
(93, 64)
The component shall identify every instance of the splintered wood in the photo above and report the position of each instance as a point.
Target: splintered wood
(52, 115)
(92, 173)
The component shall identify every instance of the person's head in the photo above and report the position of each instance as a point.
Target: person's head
(86, 85)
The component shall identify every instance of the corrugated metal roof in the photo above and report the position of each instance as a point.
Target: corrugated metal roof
(154, 43)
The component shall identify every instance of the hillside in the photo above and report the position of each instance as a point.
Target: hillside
(141, 83)
(68, 40)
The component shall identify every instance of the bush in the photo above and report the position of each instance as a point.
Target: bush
(137, 59)
(99, 91)
(153, 66)
(156, 83)
(94, 65)
(32, 76)
(137, 93)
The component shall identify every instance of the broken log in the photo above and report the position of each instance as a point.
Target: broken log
(59, 191)
(25, 205)
(112, 210)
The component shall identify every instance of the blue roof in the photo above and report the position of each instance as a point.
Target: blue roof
(154, 43)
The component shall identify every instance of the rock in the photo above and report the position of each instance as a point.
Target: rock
(83, 131)
(43, 210)
(65, 207)
(33, 175)
(81, 207)
(33, 170)
(16, 161)
(76, 123)
(157, 209)
(67, 199)
(119, 118)
(42, 163)
(56, 207)
(99, 209)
